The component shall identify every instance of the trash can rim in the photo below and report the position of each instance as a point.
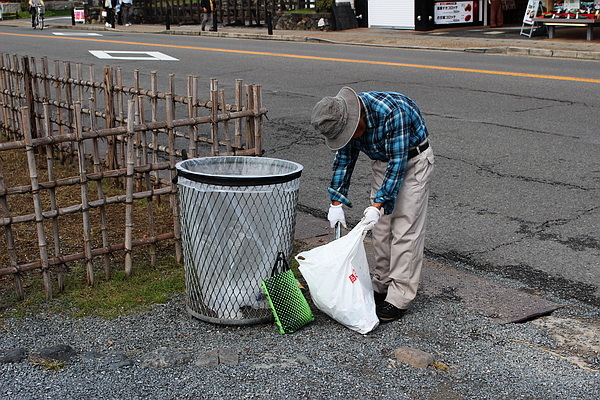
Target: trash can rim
(238, 180)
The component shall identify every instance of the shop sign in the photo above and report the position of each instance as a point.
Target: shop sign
(453, 12)
(79, 14)
(531, 12)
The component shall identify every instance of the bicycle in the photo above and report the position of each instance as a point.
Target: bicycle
(38, 19)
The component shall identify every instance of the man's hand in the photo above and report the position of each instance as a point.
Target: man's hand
(372, 214)
(336, 214)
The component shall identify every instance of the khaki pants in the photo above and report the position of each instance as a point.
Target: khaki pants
(399, 238)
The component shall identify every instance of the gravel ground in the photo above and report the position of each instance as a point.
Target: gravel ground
(323, 360)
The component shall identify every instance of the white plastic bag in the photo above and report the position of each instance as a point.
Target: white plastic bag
(338, 278)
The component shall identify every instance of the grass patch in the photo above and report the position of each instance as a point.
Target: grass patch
(47, 365)
(122, 295)
(302, 11)
(108, 298)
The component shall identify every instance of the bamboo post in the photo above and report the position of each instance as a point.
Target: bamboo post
(172, 86)
(9, 112)
(6, 120)
(10, 242)
(100, 191)
(195, 99)
(173, 105)
(226, 122)
(69, 100)
(101, 197)
(109, 107)
(214, 116)
(47, 124)
(139, 150)
(121, 112)
(45, 79)
(257, 120)
(129, 187)
(93, 98)
(85, 203)
(97, 169)
(28, 86)
(13, 84)
(57, 86)
(173, 197)
(17, 75)
(191, 98)
(79, 76)
(149, 185)
(153, 110)
(249, 120)
(37, 106)
(37, 204)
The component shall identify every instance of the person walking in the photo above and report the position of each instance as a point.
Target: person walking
(208, 6)
(389, 128)
(34, 6)
(496, 13)
(109, 11)
(126, 11)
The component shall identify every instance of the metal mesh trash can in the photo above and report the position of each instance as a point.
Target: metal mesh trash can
(237, 213)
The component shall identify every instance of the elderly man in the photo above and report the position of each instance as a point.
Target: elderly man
(389, 128)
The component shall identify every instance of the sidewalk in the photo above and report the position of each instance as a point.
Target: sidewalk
(569, 42)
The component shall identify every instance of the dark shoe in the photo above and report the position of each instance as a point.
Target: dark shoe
(387, 312)
(379, 297)
(212, 30)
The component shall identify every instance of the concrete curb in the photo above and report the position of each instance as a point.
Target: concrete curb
(507, 50)
(515, 51)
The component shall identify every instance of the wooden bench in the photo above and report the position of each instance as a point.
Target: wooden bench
(552, 23)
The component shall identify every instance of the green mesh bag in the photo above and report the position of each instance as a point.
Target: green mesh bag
(289, 306)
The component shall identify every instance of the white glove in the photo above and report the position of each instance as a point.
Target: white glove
(372, 215)
(335, 215)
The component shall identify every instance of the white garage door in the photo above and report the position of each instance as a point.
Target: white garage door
(399, 14)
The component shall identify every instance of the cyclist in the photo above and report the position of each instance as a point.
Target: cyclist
(34, 6)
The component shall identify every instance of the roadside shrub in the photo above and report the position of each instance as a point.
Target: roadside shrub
(323, 5)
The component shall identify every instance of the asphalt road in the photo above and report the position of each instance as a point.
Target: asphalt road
(516, 187)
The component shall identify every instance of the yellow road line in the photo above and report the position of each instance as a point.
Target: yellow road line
(345, 60)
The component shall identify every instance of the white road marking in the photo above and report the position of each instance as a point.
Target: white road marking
(132, 55)
(76, 34)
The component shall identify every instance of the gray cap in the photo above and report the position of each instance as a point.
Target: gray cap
(337, 117)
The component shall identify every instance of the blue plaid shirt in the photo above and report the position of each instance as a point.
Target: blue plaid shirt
(394, 124)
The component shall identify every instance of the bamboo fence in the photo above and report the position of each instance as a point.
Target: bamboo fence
(119, 145)
(229, 12)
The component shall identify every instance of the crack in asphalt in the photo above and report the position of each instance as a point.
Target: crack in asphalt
(301, 138)
(494, 124)
(532, 230)
(516, 96)
(514, 176)
(535, 279)
(535, 108)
